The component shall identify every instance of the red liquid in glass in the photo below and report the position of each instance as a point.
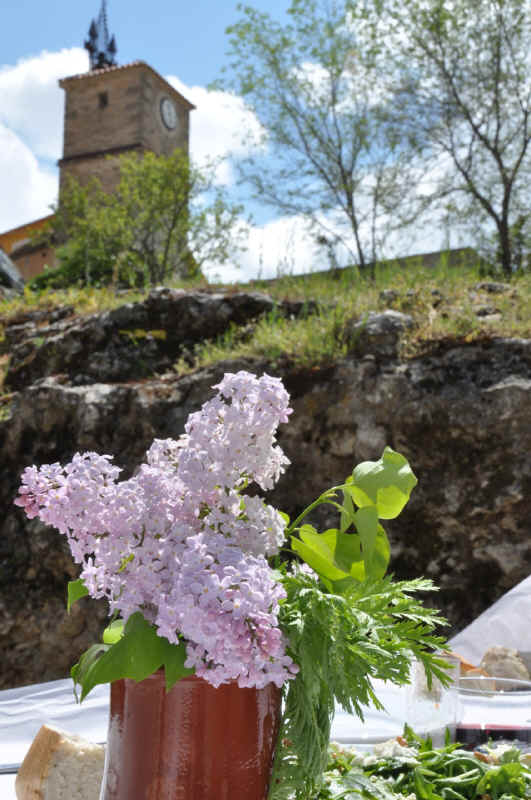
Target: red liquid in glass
(473, 735)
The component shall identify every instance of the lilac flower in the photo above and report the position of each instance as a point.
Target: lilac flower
(180, 541)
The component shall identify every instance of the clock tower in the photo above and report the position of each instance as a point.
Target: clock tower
(109, 110)
(113, 109)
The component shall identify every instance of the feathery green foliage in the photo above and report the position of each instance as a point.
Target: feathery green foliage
(342, 643)
(347, 624)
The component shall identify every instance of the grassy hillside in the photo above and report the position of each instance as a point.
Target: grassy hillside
(446, 303)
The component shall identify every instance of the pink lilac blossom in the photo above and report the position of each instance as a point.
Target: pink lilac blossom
(180, 541)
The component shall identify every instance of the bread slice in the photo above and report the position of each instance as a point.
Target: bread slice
(60, 766)
(504, 662)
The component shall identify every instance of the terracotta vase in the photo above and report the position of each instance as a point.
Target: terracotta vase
(192, 743)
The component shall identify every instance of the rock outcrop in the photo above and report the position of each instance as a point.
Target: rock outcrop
(460, 413)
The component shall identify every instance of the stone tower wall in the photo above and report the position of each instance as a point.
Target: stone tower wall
(116, 110)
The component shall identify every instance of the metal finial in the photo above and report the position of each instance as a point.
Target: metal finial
(101, 48)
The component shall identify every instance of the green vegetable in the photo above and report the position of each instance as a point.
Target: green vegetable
(445, 773)
(506, 779)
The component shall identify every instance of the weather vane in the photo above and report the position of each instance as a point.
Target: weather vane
(101, 49)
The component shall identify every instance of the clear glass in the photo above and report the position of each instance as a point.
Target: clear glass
(494, 709)
(432, 711)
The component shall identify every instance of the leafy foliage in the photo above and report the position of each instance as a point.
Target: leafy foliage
(460, 76)
(164, 219)
(360, 548)
(351, 625)
(376, 112)
(76, 590)
(328, 151)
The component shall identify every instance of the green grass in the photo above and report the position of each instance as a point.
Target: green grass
(341, 296)
(306, 342)
(319, 340)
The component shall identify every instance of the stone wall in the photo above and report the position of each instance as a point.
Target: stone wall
(460, 414)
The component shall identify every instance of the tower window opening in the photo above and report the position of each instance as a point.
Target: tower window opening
(103, 99)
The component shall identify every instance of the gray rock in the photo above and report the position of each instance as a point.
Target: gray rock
(492, 287)
(132, 342)
(10, 276)
(389, 295)
(486, 311)
(378, 334)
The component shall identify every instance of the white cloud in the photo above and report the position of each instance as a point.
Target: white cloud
(221, 126)
(31, 133)
(26, 188)
(32, 101)
(279, 247)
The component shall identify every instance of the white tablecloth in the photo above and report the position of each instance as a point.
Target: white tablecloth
(24, 710)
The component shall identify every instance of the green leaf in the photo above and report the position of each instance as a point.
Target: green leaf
(285, 517)
(318, 553)
(424, 790)
(347, 512)
(331, 554)
(339, 557)
(84, 666)
(508, 778)
(366, 522)
(76, 590)
(346, 548)
(174, 658)
(381, 555)
(375, 548)
(386, 483)
(137, 654)
(113, 632)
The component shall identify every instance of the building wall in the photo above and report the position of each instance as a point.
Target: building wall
(103, 167)
(32, 262)
(17, 237)
(154, 134)
(102, 111)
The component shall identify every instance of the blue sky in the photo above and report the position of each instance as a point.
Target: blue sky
(186, 39)
(42, 42)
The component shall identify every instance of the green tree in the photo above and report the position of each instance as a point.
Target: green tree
(165, 219)
(329, 151)
(461, 75)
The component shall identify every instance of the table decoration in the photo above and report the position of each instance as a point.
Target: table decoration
(211, 591)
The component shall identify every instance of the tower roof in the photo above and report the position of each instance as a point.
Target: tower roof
(101, 47)
(96, 74)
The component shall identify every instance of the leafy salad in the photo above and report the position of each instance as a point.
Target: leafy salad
(410, 767)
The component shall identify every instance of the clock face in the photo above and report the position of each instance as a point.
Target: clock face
(168, 112)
